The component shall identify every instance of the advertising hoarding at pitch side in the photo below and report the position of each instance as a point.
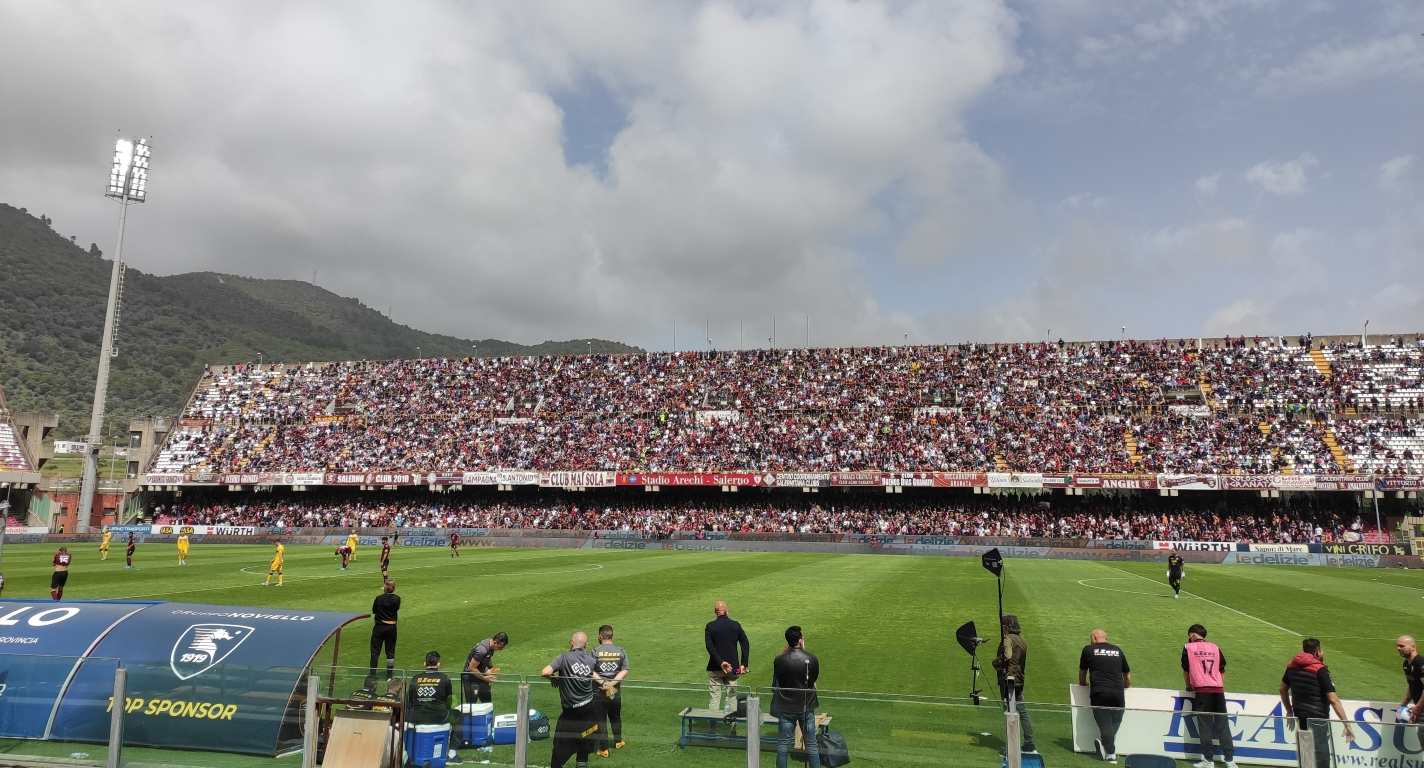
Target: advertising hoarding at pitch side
(1158, 722)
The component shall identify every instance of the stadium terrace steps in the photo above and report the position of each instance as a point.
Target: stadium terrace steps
(1321, 363)
(1338, 452)
(1130, 441)
(12, 454)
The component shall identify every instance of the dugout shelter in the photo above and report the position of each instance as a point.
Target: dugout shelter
(211, 677)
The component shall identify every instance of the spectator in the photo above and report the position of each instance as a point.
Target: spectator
(1308, 693)
(794, 700)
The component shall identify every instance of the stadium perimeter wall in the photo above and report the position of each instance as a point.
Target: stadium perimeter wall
(1108, 550)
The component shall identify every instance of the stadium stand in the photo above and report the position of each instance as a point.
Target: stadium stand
(12, 456)
(1140, 518)
(1226, 406)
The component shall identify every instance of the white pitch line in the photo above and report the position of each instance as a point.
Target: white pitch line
(1218, 605)
(1084, 582)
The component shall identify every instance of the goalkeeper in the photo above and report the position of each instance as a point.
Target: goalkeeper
(1174, 573)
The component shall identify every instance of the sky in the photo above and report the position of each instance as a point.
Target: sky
(843, 173)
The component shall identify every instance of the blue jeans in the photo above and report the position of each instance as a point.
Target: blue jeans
(786, 730)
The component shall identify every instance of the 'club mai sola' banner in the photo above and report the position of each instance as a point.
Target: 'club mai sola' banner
(1158, 721)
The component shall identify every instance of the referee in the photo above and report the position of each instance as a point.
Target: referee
(1174, 573)
(1111, 677)
(383, 634)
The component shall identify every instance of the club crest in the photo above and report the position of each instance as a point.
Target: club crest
(203, 645)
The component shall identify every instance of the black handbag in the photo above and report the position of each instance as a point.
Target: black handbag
(832, 748)
(739, 713)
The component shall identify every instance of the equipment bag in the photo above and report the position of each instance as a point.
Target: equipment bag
(538, 725)
(739, 713)
(833, 749)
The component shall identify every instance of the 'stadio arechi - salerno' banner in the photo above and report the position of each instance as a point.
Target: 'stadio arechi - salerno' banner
(1159, 721)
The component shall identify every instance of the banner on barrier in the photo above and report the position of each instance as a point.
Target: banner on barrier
(1188, 482)
(1366, 549)
(1278, 547)
(577, 479)
(1196, 546)
(1349, 482)
(1158, 721)
(698, 479)
(1014, 480)
(803, 479)
(855, 479)
(164, 479)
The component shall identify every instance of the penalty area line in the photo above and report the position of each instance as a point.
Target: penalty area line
(1218, 605)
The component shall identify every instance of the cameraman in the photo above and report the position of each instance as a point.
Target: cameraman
(1010, 661)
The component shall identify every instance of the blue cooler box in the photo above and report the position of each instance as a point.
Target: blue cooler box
(504, 728)
(427, 745)
(476, 724)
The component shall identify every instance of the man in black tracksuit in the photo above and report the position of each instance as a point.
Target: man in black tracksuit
(1308, 693)
(613, 667)
(1111, 677)
(575, 674)
(383, 635)
(428, 698)
(1174, 573)
(723, 637)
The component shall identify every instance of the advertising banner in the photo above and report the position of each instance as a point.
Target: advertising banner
(121, 530)
(1159, 722)
(854, 479)
(40, 646)
(1344, 483)
(1188, 482)
(165, 479)
(479, 478)
(803, 479)
(1197, 546)
(576, 479)
(1366, 549)
(1279, 547)
(698, 479)
(961, 480)
(1401, 483)
(516, 477)
(301, 478)
(363, 478)
(1015, 480)
(210, 677)
(909, 479)
(1247, 482)
(1117, 482)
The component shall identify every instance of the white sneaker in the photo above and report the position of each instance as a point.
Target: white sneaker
(1230, 764)
(1098, 747)
(1112, 759)
(1202, 764)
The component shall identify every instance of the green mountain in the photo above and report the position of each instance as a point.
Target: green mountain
(52, 295)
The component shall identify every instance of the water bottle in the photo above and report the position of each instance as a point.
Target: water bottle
(79, 755)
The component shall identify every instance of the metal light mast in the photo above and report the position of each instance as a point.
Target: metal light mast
(128, 183)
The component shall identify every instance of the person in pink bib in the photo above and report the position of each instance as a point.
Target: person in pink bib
(1204, 672)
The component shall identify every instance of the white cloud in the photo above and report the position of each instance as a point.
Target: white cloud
(1330, 66)
(1207, 186)
(756, 145)
(1287, 179)
(1393, 173)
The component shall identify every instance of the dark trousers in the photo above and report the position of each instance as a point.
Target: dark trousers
(1107, 713)
(1025, 724)
(574, 734)
(476, 690)
(383, 636)
(1210, 715)
(611, 711)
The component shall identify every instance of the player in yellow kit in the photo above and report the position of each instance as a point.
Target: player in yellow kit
(104, 545)
(275, 567)
(182, 549)
(351, 542)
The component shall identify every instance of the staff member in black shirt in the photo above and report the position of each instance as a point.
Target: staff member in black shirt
(575, 674)
(1307, 691)
(794, 700)
(1413, 677)
(613, 667)
(479, 669)
(1111, 677)
(723, 637)
(383, 634)
(428, 700)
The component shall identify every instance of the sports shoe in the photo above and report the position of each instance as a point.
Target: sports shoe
(1112, 759)
(1202, 764)
(1230, 764)
(343, 567)
(602, 753)
(265, 584)
(620, 745)
(279, 583)
(1098, 747)
(1030, 749)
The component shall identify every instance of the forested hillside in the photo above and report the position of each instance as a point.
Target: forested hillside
(52, 295)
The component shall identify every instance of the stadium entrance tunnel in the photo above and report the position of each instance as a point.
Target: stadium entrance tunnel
(210, 677)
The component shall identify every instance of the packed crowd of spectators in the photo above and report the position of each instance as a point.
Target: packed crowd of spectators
(1220, 406)
(1026, 516)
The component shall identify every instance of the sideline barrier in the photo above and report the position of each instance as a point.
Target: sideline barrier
(881, 729)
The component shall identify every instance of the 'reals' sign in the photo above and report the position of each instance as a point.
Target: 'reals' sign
(1160, 722)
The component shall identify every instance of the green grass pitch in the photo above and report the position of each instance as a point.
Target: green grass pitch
(881, 624)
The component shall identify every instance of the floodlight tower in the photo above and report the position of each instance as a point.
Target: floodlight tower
(128, 183)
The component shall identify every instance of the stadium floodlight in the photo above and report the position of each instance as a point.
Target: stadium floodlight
(128, 183)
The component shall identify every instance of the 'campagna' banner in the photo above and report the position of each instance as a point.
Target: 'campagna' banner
(1158, 722)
